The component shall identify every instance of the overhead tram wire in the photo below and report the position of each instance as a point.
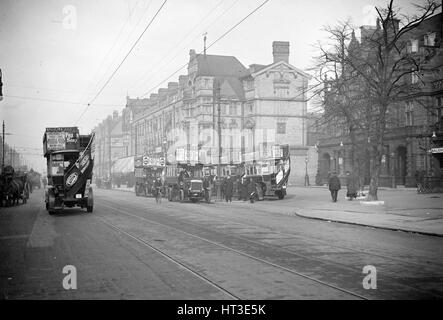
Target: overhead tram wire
(118, 67)
(55, 101)
(207, 28)
(121, 63)
(127, 39)
(136, 83)
(85, 94)
(303, 92)
(213, 43)
(109, 52)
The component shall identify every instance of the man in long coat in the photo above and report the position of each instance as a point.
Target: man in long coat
(334, 186)
(229, 188)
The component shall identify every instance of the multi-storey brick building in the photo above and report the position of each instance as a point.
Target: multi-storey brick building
(257, 107)
(414, 123)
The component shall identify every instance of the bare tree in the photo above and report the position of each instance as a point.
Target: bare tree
(369, 77)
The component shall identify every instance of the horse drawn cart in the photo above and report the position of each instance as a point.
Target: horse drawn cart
(69, 167)
(14, 186)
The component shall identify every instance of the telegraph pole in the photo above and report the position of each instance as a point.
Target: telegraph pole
(219, 130)
(1, 86)
(217, 88)
(3, 146)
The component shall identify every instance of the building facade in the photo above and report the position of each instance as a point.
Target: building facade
(110, 144)
(254, 107)
(414, 136)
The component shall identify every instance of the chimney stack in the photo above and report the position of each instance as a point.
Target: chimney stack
(182, 81)
(280, 51)
(192, 55)
(172, 86)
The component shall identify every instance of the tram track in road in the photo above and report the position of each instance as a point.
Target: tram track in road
(171, 259)
(422, 266)
(436, 267)
(395, 280)
(238, 252)
(389, 281)
(231, 250)
(432, 268)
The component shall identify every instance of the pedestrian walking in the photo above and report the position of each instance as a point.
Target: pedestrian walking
(229, 189)
(352, 185)
(158, 190)
(207, 189)
(45, 182)
(334, 186)
(244, 189)
(223, 187)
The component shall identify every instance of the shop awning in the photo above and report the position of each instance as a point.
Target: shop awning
(123, 165)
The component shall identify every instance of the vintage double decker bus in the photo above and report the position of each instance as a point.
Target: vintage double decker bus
(184, 178)
(146, 170)
(270, 171)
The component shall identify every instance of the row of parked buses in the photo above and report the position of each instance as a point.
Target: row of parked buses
(183, 181)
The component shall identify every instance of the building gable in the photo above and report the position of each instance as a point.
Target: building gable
(282, 66)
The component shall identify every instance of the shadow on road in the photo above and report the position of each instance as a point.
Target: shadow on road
(69, 212)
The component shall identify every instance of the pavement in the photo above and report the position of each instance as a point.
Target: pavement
(124, 188)
(402, 209)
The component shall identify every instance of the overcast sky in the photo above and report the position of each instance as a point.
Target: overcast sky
(56, 55)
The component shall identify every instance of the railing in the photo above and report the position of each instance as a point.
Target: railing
(430, 185)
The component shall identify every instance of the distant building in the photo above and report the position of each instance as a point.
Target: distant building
(259, 106)
(12, 157)
(109, 145)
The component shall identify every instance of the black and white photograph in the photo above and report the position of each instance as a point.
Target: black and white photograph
(208, 152)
